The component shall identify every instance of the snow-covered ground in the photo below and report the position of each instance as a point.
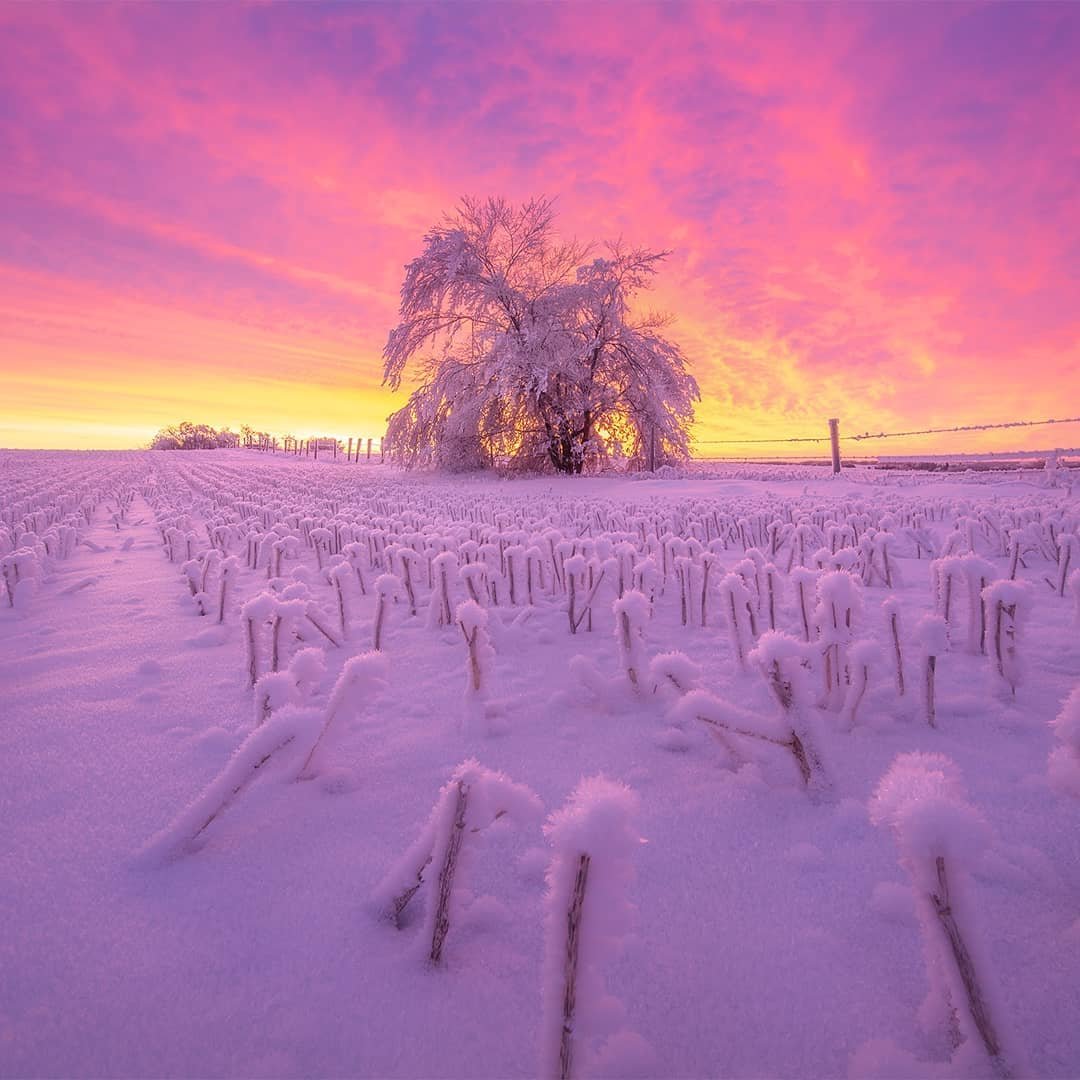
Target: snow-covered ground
(195, 875)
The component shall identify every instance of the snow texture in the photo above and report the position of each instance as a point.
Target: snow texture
(122, 709)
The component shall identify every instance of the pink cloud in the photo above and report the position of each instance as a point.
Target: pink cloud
(872, 209)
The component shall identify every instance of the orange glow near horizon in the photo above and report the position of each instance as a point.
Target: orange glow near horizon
(872, 210)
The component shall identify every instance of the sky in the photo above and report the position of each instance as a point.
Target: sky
(873, 210)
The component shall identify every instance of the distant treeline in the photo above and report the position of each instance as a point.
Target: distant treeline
(189, 436)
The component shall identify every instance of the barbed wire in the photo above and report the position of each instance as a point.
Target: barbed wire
(964, 427)
(746, 442)
(891, 434)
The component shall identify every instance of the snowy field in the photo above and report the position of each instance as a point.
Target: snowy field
(787, 870)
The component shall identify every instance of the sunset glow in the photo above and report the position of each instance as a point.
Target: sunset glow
(873, 210)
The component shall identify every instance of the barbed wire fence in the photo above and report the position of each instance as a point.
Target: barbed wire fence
(375, 448)
(835, 438)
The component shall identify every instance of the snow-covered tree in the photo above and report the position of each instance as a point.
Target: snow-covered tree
(527, 351)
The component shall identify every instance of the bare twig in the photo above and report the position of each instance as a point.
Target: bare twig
(965, 967)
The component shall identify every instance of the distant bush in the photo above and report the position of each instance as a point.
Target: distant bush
(189, 436)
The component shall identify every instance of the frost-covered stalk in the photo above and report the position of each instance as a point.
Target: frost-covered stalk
(472, 619)
(361, 677)
(468, 804)
(891, 608)
(625, 554)
(534, 572)
(447, 871)
(515, 555)
(977, 573)
(320, 540)
(172, 537)
(593, 840)
(861, 656)
(839, 599)
(736, 601)
(1068, 558)
(8, 570)
(933, 633)
(273, 691)
(943, 575)
(277, 553)
(751, 570)
(573, 570)
(284, 610)
(307, 669)
(440, 612)
(593, 586)
(805, 538)
(1007, 603)
(314, 616)
(881, 547)
(771, 591)
(407, 557)
(940, 837)
(1064, 764)
(782, 662)
(631, 616)
(284, 728)
(779, 659)
(1014, 556)
(192, 572)
(570, 965)
(22, 569)
(230, 568)
(682, 572)
(647, 577)
(579, 603)
(707, 562)
(559, 549)
(387, 587)
(354, 553)
(208, 560)
(475, 577)
(254, 613)
(675, 670)
(805, 580)
(338, 576)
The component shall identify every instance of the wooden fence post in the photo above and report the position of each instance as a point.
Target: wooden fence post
(348, 456)
(834, 438)
(369, 449)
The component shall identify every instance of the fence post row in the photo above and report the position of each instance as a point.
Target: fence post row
(266, 443)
